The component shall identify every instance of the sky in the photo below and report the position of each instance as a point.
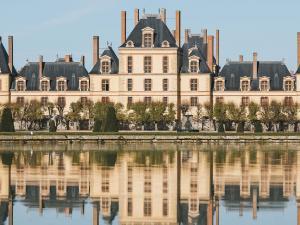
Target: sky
(57, 27)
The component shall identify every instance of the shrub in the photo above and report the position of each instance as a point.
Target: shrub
(97, 126)
(240, 127)
(258, 127)
(7, 123)
(221, 127)
(52, 126)
(110, 123)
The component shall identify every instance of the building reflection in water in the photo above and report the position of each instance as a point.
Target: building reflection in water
(150, 187)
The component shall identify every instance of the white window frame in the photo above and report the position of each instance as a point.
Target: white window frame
(219, 79)
(264, 78)
(48, 83)
(84, 79)
(243, 79)
(194, 59)
(22, 79)
(61, 79)
(291, 79)
(148, 30)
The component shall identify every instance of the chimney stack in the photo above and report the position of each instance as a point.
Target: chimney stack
(82, 60)
(217, 47)
(163, 15)
(11, 53)
(136, 16)
(68, 58)
(298, 49)
(204, 35)
(210, 53)
(254, 66)
(186, 35)
(95, 50)
(178, 28)
(241, 58)
(41, 66)
(123, 27)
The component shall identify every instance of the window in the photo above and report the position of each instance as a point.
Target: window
(264, 85)
(129, 64)
(147, 64)
(219, 85)
(219, 99)
(165, 64)
(193, 186)
(105, 85)
(105, 99)
(148, 40)
(105, 180)
(165, 85)
(147, 84)
(20, 101)
(61, 85)
(61, 101)
(288, 85)
(288, 101)
(245, 85)
(83, 100)
(147, 100)
(245, 101)
(44, 85)
(165, 100)
(194, 84)
(129, 180)
(264, 101)
(147, 207)
(105, 67)
(147, 180)
(44, 101)
(83, 85)
(194, 101)
(20, 85)
(129, 84)
(165, 207)
(129, 207)
(194, 66)
(129, 101)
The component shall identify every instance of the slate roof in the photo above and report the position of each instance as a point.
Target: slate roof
(72, 71)
(4, 68)
(114, 62)
(199, 49)
(161, 32)
(233, 71)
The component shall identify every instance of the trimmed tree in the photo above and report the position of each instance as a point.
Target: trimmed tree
(110, 123)
(7, 123)
(52, 126)
(97, 126)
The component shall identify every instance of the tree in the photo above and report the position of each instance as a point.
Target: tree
(237, 115)
(74, 114)
(266, 116)
(97, 126)
(290, 111)
(110, 123)
(169, 118)
(7, 123)
(156, 111)
(209, 108)
(277, 115)
(253, 110)
(52, 126)
(198, 118)
(33, 115)
(140, 113)
(220, 115)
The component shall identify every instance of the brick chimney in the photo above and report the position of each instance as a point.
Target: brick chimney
(186, 35)
(298, 49)
(10, 53)
(123, 27)
(95, 50)
(241, 58)
(163, 14)
(41, 66)
(204, 35)
(210, 52)
(178, 28)
(82, 60)
(68, 58)
(217, 47)
(255, 68)
(136, 16)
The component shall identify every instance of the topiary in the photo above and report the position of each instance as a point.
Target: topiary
(221, 127)
(7, 123)
(97, 126)
(52, 126)
(258, 127)
(110, 123)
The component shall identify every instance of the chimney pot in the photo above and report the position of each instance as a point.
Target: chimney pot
(186, 35)
(241, 58)
(136, 16)
(218, 47)
(210, 53)
(163, 14)
(11, 53)
(178, 28)
(95, 50)
(68, 58)
(123, 27)
(255, 66)
(204, 35)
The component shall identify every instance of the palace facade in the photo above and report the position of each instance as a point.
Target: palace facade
(151, 65)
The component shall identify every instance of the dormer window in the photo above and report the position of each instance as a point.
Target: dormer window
(219, 84)
(105, 67)
(194, 66)
(20, 85)
(148, 34)
(245, 84)
(129, 44)
(165, 44)
(84, 85)
(61, 84)
(264, 84)
(44, 85)
(288, 83)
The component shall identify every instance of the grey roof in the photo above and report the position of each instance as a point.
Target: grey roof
(114, 62)
(4, 68)
(233, 71)
(72, 71)
(161, 32)
(199, 49)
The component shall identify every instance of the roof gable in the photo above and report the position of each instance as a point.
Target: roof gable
(109, 52)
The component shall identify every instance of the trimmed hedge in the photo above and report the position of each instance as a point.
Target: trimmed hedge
(7, 123)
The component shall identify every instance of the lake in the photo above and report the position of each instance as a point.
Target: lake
(157, 184)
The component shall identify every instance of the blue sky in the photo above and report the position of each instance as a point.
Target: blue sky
(60, 27)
